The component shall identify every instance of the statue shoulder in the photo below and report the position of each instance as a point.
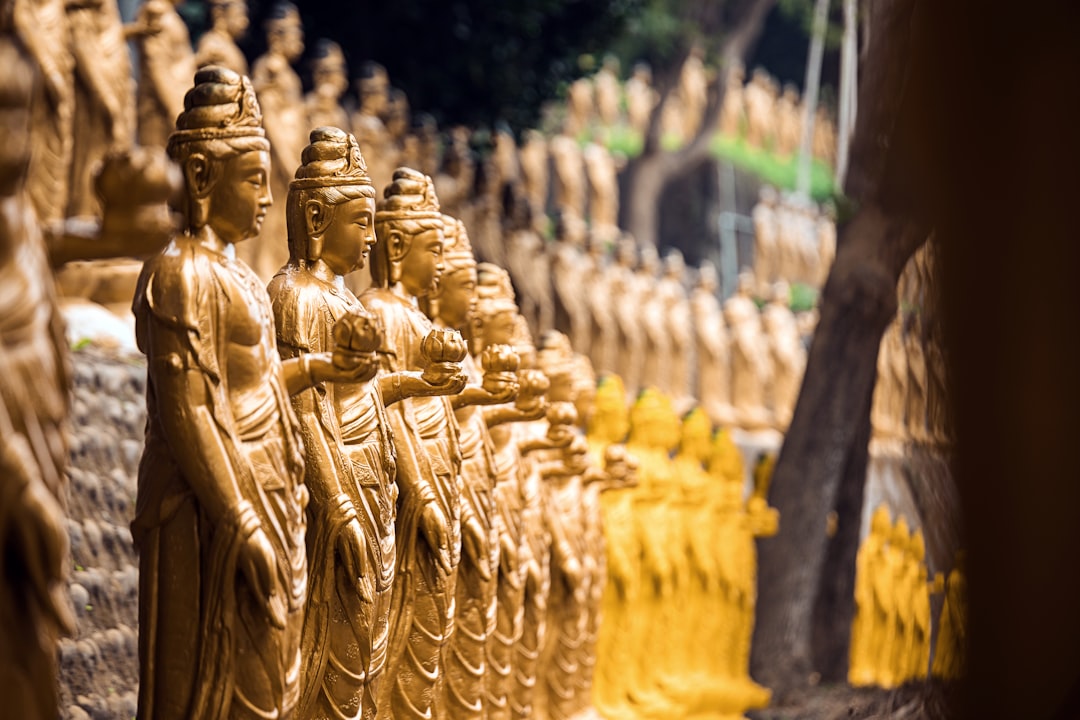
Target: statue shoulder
(173, 284)
(299, 307)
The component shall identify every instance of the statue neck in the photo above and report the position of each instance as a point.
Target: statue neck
(319, 269)
(209, 239)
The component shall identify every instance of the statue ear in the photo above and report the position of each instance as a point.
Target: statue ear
(316, 218)
(396, 247)
(199, 177)
(198, 174)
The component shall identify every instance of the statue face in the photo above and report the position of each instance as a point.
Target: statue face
(287, 35)
(240, 198)
(348, 239)
(236, 19)
(457, 297)
(423, 263)
(499, 328)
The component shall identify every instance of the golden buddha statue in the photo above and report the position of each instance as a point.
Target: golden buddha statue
(622, 284)
(463, 685)
(228, 23)
(407, 262)
(34, 605)
(350, 458)
(166, 61)
(220, 509)
(867, 626)
(711, 345)
(499, 324)
(280, 95)
(330, 80)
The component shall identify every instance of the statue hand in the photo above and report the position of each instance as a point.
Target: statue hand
(258, 564)
(38, 530)
(434, 526)
(475, 543)
(416, 385)
(348, 366)
(502, 387)
(352, 549)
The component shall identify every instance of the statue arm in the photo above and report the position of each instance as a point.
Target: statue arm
(204, 451)
(502, 414)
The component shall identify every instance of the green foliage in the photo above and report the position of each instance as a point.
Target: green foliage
(81, 344)
(775, 171)
(802, 297)
(624, 140)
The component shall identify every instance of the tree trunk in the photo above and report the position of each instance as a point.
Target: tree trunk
(648, 174)
(829, 432)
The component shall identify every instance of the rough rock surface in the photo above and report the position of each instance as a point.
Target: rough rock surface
(99, 666)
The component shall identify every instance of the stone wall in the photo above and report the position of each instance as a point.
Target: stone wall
(99, 666)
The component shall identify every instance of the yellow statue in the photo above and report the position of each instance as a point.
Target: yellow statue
(896, 604)
(867, 625)
(693, 528)
(407, 262)
(950, 649)
(917, 650)
(228, 23)
(654, 433)
(220, 509)
(34, 397)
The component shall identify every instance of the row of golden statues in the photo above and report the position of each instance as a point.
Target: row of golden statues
(891, 633)
(794, 239)
(755, 110)
(909, 403)
(373, 506)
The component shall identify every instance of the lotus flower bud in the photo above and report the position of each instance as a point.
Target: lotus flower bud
(443, 349)
(499, 358)
(359, 332)
(532, 385)
(561, 413)
(443, 346)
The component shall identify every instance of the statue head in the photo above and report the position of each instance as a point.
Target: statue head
(627, 251)
(397, 113)
(496, 310)
(746, 283)
(522, 342)
(900, 538)
(328, 68)
(284, 32)
(650, 261)
(330, 212)
(374, 89)
(643, 72)
(654, 422)
(611, 64)
(696, 435)
(725, 459)
(221, 148)
(231, 16)
(555, 357)
(781, 293)
(880, 522)
(918, 546)
(708, 277)
(583, 379)
(674, 265)
(767, 195)
(409, 228)
(456, 297)
(610, 421)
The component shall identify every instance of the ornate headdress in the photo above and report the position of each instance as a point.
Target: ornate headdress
(494, 291)
(221, 105)
(458, 252)
(332, 159)
(555, 355)
(410, 196)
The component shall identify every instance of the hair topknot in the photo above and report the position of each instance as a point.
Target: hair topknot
(411, 194)
(221, 105)
(458, 252)
(333, 157)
